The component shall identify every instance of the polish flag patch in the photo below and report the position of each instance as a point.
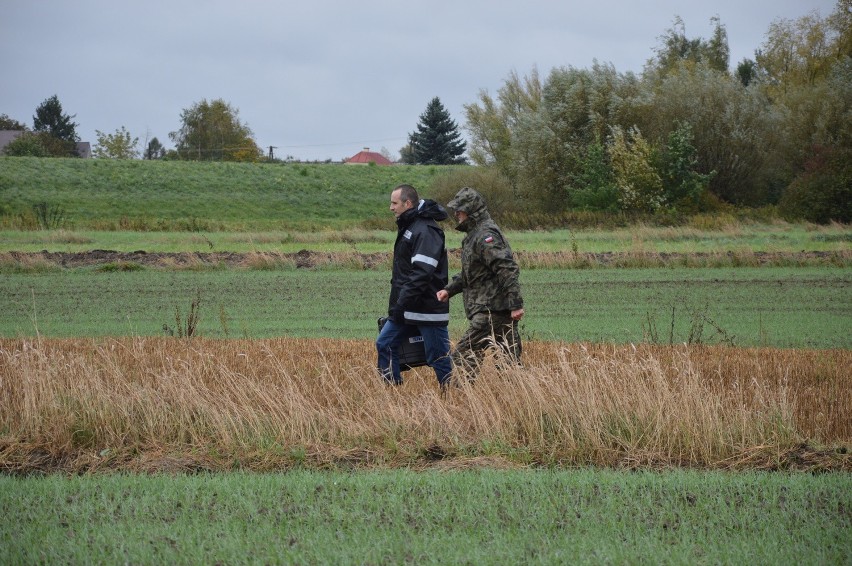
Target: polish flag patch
(489, 239)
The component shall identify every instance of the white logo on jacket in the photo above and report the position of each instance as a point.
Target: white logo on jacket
(407, 235)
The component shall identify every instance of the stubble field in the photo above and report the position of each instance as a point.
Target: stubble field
(143, 403)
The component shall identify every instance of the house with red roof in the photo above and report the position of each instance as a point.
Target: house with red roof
(366, 156)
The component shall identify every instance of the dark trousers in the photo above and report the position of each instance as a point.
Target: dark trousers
(436, 341)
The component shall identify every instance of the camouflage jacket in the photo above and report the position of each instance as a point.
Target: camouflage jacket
(490, 276)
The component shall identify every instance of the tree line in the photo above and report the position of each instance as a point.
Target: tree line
(686, 135)
(209, 131)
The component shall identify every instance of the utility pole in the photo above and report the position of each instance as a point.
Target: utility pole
(271, 155)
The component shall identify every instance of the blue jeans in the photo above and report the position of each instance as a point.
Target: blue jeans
(436, 341)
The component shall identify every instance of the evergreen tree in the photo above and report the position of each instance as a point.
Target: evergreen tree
(49, 118)
(437, 139)
(155, 150)
(746, 71)
(58, 131)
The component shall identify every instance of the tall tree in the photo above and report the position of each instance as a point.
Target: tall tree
(50, 122)
(841, 23)
(802, 52)
(406, 156)
(717, 53)
(49, 118)
(492, 124)
(7, 123)
(213, 131)
(116, 146)
(734, 130)
(676, 48)
(155, 150)
(437, 139)
(552, 145)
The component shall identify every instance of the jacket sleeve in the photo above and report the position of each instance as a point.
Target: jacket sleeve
(426, 249)
(497, 255)
(456, 285)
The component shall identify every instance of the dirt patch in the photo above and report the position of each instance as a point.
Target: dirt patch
(309, 259)
(300, 259)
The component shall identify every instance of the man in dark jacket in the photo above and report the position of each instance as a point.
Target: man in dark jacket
(489, 281)
(419, 272)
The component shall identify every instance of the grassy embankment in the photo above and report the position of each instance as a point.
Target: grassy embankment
(187, 196)
(279, 204)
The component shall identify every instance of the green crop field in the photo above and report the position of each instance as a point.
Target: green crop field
(474, 517)
(782, 307)
(769, 238)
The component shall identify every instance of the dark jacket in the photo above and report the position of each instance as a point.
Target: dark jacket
(419, 267)
(490, 275)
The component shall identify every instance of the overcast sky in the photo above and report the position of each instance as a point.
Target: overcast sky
(321, 79)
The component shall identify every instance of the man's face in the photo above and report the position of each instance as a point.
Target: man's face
(397, 206)
(461, 216)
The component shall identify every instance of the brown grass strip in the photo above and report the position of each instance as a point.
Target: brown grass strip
(170, 404)
(567, 259)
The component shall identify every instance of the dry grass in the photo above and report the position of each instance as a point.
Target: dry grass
(348, 236)
(161, 403)
(267, 261)
(652, 259)
(25, 263)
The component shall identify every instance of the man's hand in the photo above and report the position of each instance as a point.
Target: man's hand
(517, 314)
(443, 296)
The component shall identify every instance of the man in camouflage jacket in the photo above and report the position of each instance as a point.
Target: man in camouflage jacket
(489, 283)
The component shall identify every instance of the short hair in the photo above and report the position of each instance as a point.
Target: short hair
(407, 192)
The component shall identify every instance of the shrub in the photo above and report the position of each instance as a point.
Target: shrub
(683, 185)
(48, 216)
(639, 184)
(594, 185)
(26, 145)
(491, 184)
(117, 266)
(823, 192)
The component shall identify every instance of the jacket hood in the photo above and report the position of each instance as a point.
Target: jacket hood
(472, 203)
(467, 200)
(427, 208)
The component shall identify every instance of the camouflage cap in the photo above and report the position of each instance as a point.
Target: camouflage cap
(467, 200)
